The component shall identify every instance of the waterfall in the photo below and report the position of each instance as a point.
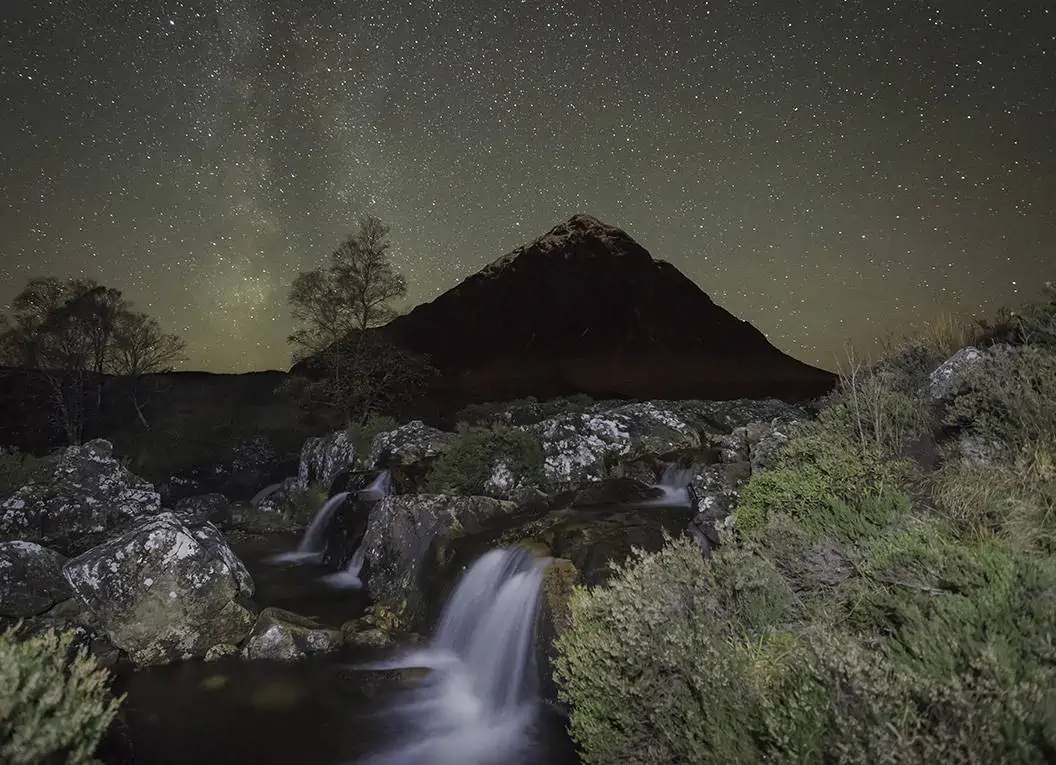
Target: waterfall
(674, 483)
(377, 489)
(348, 578)
(267, 491)
(480, 701)
(311, 545)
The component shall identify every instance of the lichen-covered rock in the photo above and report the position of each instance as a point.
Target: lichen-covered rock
(766, 442)
(88, 495)
(401, 531)
(162, 591)
(286, 636)
(580, 447)
(407, 445)
(202, 508)
(948, 378)
(31, 579)
(714, 493)
(281, 509)
(221, 651)
(324, 457)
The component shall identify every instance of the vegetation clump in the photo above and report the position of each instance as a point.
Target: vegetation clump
(488, 460)
(55, 702)
(873, 607)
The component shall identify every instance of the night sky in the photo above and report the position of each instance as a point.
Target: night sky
(830, 170)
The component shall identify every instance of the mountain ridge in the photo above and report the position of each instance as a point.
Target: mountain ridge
(584, 308)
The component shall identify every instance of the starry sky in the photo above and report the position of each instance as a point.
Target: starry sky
(833, 171)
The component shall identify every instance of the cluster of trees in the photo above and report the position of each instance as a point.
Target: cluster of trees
(353, 367)
(76, 332)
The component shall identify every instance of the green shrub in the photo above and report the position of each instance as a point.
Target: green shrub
(1009, 396)
(52, 709)
(470, 462)
(17, 469)
(945, 654)
(818, 468)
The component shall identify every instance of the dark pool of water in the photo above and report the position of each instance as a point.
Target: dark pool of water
(318, 711)
(295, 587)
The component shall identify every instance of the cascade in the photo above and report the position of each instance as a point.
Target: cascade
(311, 544)
(674, 483)
(348, 578)
(480, 700)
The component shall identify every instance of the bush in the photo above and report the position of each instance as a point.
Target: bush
(1009, 396)
(55, 705)
(17, 469)
(943, 653)
(469, 464)
(820, 468)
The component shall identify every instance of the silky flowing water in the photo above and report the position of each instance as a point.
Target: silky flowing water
(467, 695)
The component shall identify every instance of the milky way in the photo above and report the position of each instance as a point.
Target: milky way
(831, 171)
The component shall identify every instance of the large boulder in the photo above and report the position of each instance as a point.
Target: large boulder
(582, 447)
(403, 530)
(87, 496)
(407, 445)
(162, 591)
(31, 579)
(324, 457)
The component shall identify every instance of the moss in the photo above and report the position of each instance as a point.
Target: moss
(55, 704)
(469, 463)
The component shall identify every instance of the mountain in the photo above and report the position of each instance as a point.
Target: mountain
(586, 309)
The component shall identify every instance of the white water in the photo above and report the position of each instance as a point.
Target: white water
(348, 579)
(378, 488)
(674, 483)
(314, 539)
(480, 701)
(267, 491)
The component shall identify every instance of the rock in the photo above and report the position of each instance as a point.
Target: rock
(283, 509)
(555, 615)
(975, 452)
(31, 579)
(555, 611)
(948, 378)
(407, 445)
(162, 591)
(401, 532)
(768, 441)
(286, 636)
(88, 496)
(202, 508)
(614, 491)
(715, 491)
(322, 458)
(221, 651)
(580, 447)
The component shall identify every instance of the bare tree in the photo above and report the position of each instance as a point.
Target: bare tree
(335, 306)
(68, 330)
(139, 347)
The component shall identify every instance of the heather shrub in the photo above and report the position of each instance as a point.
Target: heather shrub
(470, 462)
(55, 704)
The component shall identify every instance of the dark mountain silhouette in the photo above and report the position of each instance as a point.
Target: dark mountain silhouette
(586, 309)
